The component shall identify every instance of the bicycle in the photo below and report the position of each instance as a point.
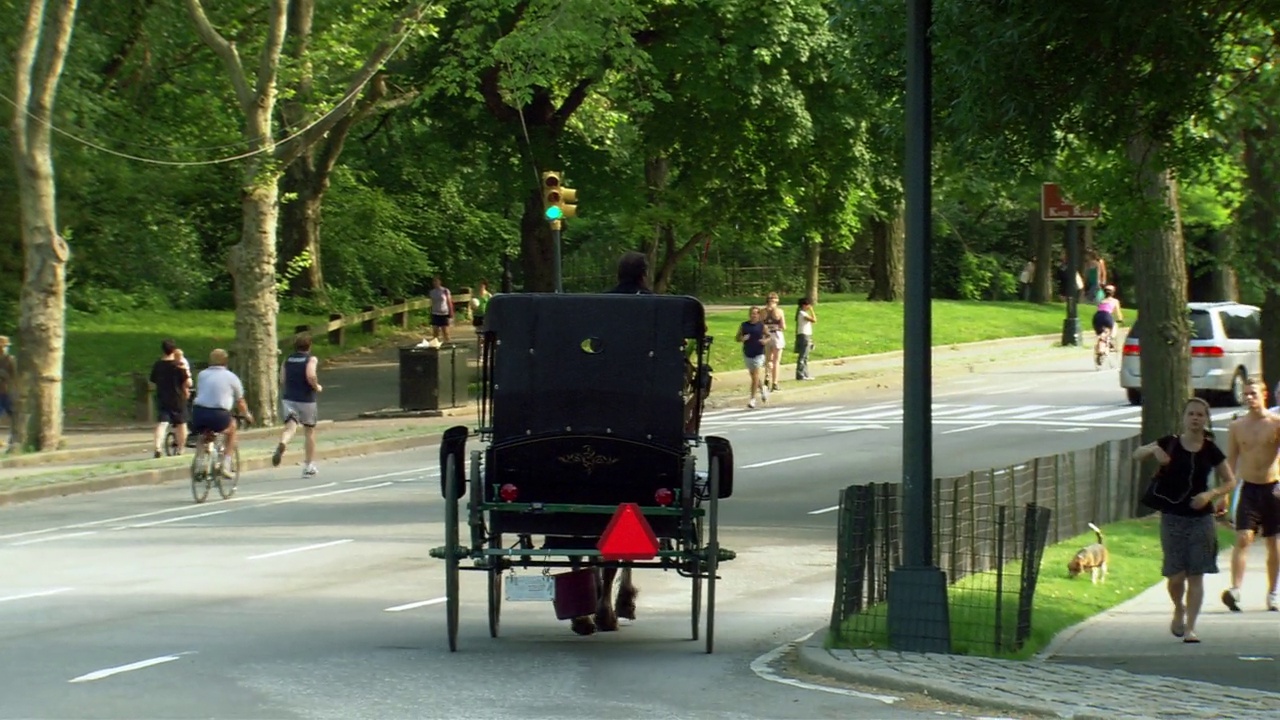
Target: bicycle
(208, 467)
(1108, 352)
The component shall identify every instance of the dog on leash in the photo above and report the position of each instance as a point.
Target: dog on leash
(1092, 558)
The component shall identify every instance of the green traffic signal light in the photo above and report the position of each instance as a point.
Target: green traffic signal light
(553, 212)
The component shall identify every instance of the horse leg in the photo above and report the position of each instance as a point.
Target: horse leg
(583, 624)
(606, 618)
(627, 596)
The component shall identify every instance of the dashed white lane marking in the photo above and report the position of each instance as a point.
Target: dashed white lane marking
(412, 605)
(983, 426)
(304, 548)
(108, 672)
(36, 594)
(780, 461)
(180, 518)
(243, 501)
(51, 538)
(821, 511)
(761, 667)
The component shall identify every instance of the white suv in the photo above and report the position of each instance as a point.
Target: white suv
(1226, 348)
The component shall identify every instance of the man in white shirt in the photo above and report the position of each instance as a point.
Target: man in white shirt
(218, 390)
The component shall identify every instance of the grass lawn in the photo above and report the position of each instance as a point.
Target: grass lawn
(848, 326)
(105, 350)
(1060, 602)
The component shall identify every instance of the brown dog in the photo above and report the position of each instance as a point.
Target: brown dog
(1092, 558)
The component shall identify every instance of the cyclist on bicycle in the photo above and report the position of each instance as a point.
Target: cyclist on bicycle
(1104, 320)
(217, 391)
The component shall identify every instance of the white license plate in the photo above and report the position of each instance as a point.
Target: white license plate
(530, 588)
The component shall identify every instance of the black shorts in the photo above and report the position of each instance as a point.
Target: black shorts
(477, 320)
(439, 320)
(173, 416)
(205, 419)
(1103, 320)
(1259, 508)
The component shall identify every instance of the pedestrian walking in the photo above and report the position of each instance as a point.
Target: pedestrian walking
(173, 385)
(1254, 451)
(8, 383)
(301, 384)
(805, 319)
(441, 309)
(1180, 492)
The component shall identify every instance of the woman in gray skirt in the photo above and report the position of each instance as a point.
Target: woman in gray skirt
(1180, 491)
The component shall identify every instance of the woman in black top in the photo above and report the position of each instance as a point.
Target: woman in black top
(1180, 491)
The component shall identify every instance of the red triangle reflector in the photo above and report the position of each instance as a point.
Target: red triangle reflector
(628, 536)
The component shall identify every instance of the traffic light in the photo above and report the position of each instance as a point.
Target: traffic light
(557, 200)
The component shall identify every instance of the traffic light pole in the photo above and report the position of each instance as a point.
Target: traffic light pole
(555, 243)
(917, 613)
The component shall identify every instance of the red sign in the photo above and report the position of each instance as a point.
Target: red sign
(628, 536)
(1055, 206)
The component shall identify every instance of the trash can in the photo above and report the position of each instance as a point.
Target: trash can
(433, 378)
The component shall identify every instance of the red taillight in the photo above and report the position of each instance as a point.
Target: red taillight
(664, 496)
(509, 492)
(1210, 351)
(1131, 348)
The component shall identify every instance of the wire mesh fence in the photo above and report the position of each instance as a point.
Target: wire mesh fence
(990, 530)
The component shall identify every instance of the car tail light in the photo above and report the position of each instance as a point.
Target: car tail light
(509, 492)
(664, 496)
(1206, 351)
(1131, 348)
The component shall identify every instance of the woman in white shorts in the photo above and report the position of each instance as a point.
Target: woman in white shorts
(775, 326)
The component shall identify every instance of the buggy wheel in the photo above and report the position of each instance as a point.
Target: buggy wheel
(170, 443)
(495, 600)
(713, 551)
(227, 483)
(201, 466)
(451, 551)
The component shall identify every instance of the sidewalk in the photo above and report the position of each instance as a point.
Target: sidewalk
(1120, 664)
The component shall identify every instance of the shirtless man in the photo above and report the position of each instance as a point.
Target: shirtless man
(1252, 453)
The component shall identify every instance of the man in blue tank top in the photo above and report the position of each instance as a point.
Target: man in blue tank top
(298, 401)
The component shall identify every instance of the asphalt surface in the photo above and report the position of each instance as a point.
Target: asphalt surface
(316, 598)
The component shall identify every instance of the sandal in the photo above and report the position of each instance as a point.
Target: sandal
(1179, 626)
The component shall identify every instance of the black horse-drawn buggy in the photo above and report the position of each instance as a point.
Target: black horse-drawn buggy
(590, 407)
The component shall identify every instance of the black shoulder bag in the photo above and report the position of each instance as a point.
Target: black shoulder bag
(1165, 491)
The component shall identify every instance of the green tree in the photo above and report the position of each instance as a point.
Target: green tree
(42, 51)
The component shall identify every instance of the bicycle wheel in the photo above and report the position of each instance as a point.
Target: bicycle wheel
(227, 482)
(200, 472)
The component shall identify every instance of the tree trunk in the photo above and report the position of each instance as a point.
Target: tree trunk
(1259, 215)
(537, 256)
(1042, 290)
(888, 259)
(252, 263)
(812, 267)
(300, 225)
(1223, 283)
(42, 325)
(1160, 274)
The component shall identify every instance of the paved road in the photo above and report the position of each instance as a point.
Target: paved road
(316, 598)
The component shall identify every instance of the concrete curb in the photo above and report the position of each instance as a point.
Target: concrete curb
(161, 476)
(814, 658)
(99, 452)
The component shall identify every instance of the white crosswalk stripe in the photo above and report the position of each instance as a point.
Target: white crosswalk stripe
(837, 418)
